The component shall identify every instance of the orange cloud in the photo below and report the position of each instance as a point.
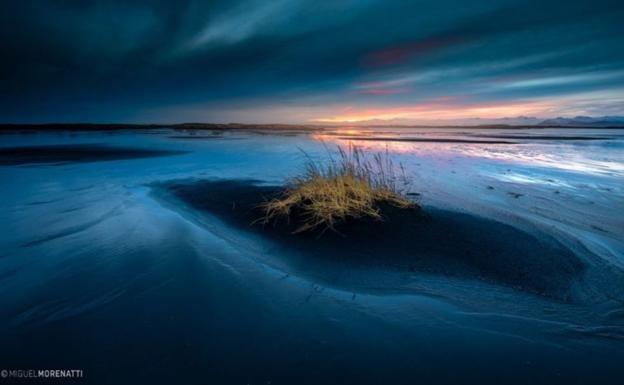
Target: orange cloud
(441, 110)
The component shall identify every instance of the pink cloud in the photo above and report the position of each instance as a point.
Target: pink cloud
(402, 53)
(382, 91)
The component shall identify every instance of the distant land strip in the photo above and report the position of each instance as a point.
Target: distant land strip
(133, 126)
(267, 127)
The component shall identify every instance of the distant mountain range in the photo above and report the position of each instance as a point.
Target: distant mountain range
(585, 121)
(578, 121)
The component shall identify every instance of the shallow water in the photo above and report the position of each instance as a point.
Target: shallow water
(99, 272)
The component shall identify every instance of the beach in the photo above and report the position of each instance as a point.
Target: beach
(133, 255)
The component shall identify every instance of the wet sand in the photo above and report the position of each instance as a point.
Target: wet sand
(546, 137)
(188, 292)
(425, 140)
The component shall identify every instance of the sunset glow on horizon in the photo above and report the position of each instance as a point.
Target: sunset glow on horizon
(435, 111)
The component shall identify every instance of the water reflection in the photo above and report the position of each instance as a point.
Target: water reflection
(574, 150)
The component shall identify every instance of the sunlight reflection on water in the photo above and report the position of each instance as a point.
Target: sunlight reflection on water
(580, 155)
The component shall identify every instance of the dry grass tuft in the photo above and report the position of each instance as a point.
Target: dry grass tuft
(352, 186)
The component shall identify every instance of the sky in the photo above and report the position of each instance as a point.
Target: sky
(300, 61)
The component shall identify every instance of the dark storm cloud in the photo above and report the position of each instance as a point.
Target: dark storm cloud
(151, 60)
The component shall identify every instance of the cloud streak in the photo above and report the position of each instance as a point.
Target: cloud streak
(300, 60)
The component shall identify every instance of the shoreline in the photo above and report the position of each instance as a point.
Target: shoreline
(36, 127)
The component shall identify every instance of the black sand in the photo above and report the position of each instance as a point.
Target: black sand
(204, 137)
(440, 242)
(55, 154)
